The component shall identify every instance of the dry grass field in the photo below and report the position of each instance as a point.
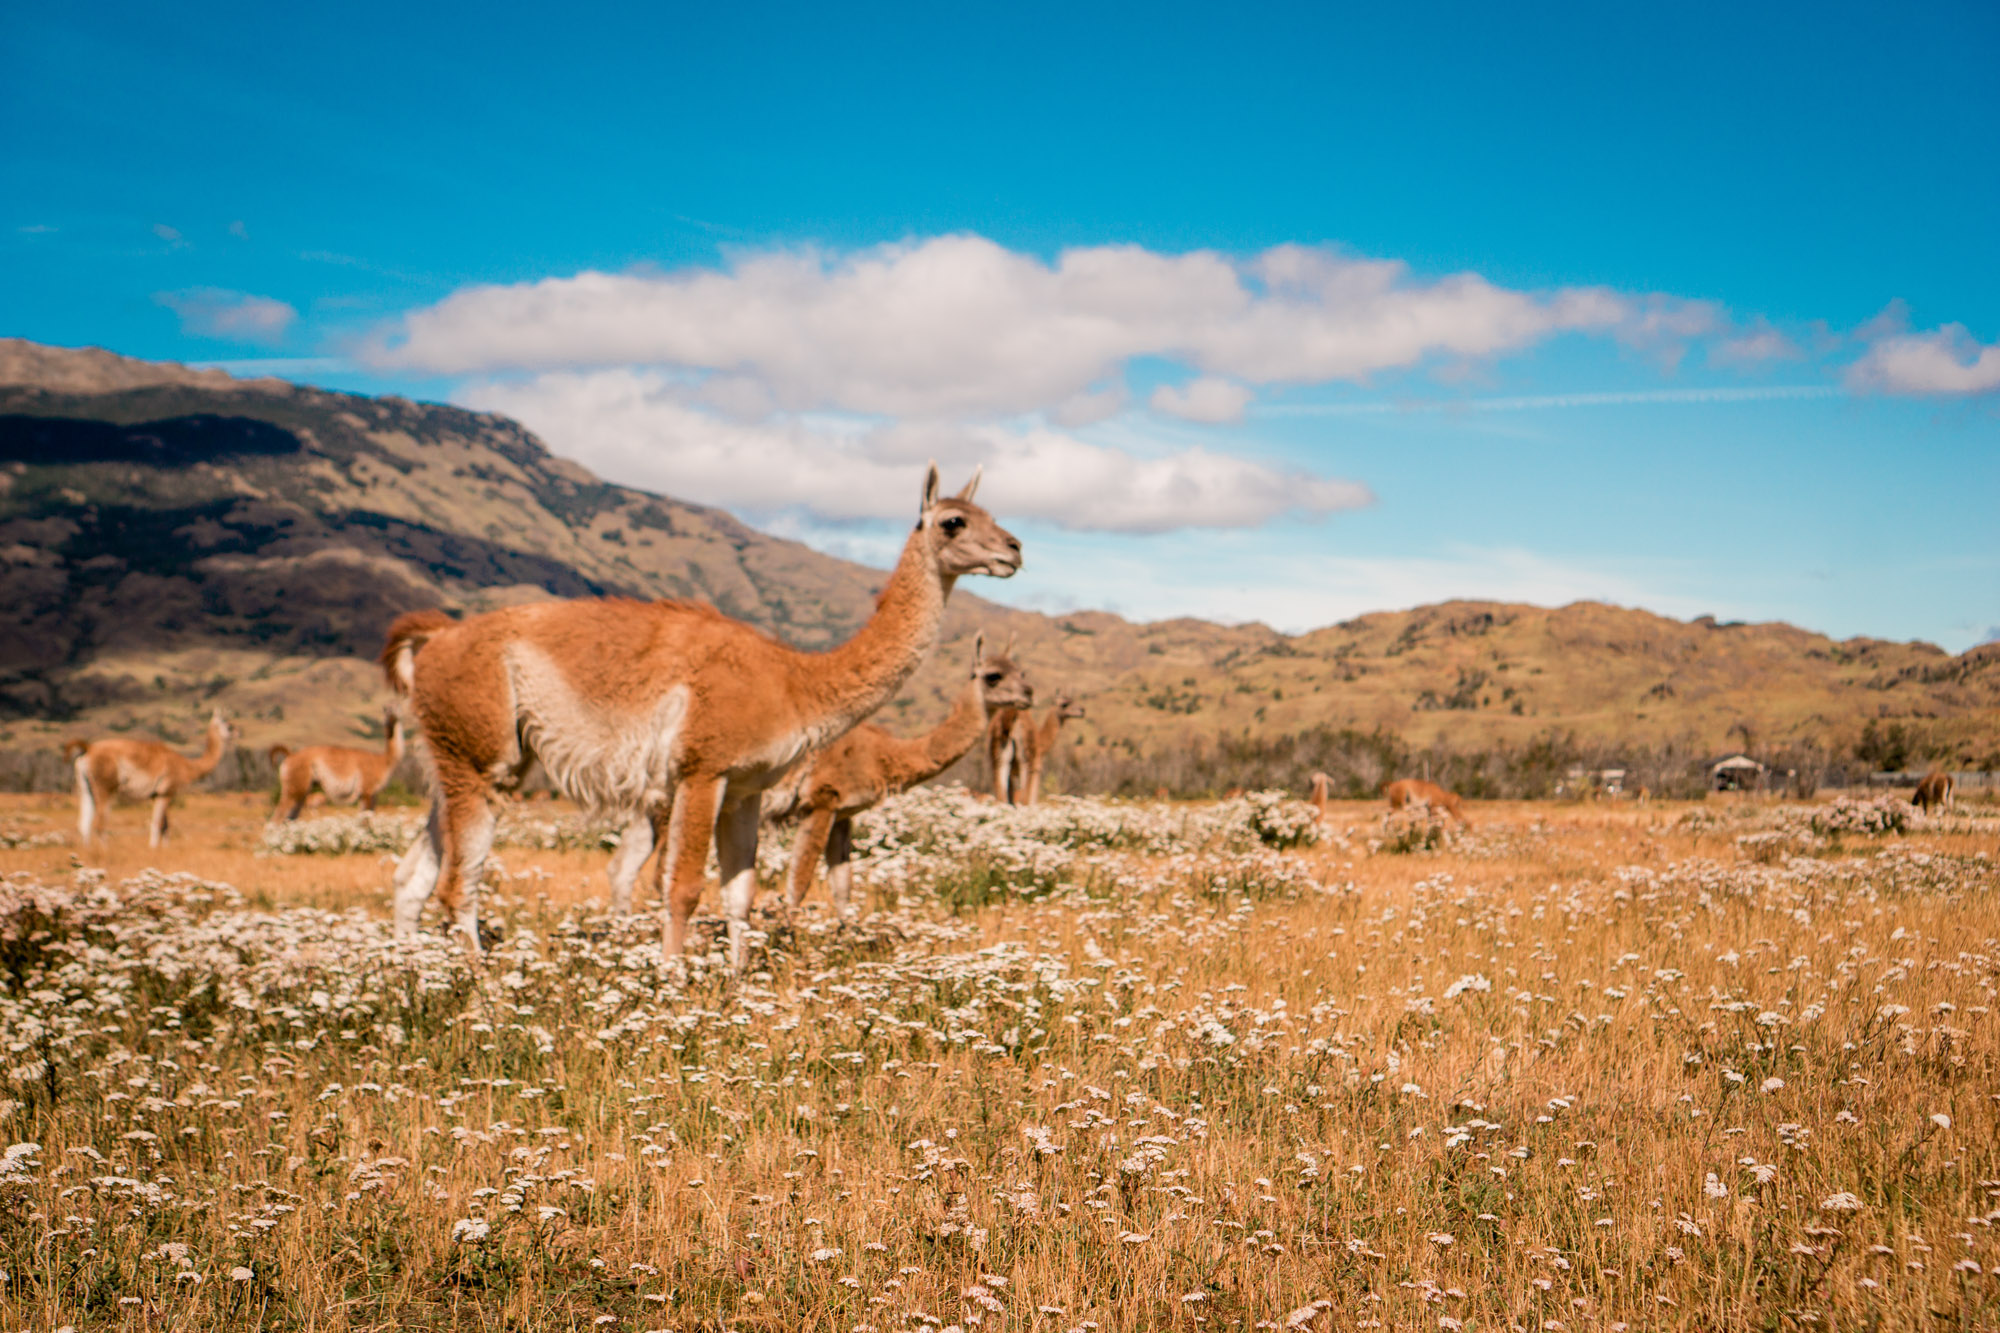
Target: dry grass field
(1096, 1066)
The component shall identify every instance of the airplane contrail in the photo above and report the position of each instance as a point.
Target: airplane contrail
(1536, 402)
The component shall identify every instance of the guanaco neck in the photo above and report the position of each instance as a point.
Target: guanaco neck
(1050, 728)
(944, 744)
(393, 751)
(211, 755)
(847, 683)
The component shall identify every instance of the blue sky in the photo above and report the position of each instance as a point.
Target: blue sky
(1289, 313)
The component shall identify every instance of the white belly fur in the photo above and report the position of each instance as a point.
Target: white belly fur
(340, 788)
(608, 762)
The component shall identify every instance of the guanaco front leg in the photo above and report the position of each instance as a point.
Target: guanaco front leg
(810, 844)
(158, 836)
(635, 844)
(736, 856)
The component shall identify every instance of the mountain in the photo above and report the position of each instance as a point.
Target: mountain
(172, 538)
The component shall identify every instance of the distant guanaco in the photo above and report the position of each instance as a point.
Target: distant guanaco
(1007, 746)
(139, 771)
(1039, 740)
(1322, 792)
(1934, 792)
(344, 774)
(1410, 791)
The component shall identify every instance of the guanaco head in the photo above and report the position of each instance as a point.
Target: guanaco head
(1001, 681)
(964, 536)
(1068, 708)
(220, 725)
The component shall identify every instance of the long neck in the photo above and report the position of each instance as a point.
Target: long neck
(853, 680)
(393, 751)
(211, 755)
(944, 744)
(1051, 725)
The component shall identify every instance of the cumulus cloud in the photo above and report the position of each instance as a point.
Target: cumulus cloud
(646, 428)
(958, 326)
(210, 312)
(1946, 361)
(1207, 399)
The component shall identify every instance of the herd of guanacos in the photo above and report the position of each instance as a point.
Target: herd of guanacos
(696, 727)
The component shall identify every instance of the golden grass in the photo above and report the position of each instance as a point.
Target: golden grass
(1589, 1069)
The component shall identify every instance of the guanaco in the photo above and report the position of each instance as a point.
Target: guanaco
(1410, 791)
(1934, 792)
(344, 774)
(134, 770)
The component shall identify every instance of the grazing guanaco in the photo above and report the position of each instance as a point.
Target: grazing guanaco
(343, 774)
(1038, 741)
(1934, 792)
(868, 765)
(667, 708)
(135, 770)
(1416, 791)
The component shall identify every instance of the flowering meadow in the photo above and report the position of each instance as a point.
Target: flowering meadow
(1093, 1065)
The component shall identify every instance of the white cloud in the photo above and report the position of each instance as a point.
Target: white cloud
(1946, 361)
(1207, 399)
(958, 326)
(210, 312)
(641, 427)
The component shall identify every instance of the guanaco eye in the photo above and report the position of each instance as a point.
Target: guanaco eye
(992, 678)
(952, 524)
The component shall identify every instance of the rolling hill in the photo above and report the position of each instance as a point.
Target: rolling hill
(173, 537)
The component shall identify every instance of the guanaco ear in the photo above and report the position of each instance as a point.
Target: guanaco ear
(978, 651)
(972, 485)
(1011, 636)
(930, 488)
